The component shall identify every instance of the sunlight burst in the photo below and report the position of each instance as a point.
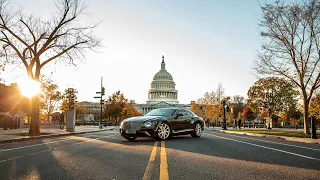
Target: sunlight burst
(29, 87)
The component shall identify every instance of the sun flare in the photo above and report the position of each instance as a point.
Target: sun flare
(29, 87)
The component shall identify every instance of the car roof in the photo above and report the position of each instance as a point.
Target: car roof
(175, 108)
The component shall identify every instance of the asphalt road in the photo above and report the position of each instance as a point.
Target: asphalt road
(106, 155)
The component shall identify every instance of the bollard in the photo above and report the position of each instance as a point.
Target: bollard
(5, 124)
(10, 123)
(16, 123)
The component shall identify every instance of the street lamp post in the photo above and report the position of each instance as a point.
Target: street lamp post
(224, 105)
(268, 94)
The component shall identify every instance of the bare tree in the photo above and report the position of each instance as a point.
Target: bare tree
(36, 42)
(213, 97)
(208, 98)
(290, 48)
(220, 94)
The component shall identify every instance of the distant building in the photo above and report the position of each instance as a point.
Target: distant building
(162, 93)
(93, 111)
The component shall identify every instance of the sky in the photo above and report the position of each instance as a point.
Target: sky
(204, 43)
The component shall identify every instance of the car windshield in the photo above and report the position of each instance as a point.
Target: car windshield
(161, 112)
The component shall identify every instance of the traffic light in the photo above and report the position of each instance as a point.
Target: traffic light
(102, 91)
(101, 101)
(72, 101)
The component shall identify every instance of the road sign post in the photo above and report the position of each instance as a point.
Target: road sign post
(102, 92)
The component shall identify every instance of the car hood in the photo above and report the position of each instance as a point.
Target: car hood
(145, 118)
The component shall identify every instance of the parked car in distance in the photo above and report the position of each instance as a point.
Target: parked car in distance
(162, 124)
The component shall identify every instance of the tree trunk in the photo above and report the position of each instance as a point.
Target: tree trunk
(34, 126)
(306, 116)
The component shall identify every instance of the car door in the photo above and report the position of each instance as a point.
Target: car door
(175, 123)
(189, 120)
(183, 121)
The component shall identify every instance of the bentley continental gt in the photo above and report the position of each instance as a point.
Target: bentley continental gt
(162, 124)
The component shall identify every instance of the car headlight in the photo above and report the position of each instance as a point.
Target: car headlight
(147, 124)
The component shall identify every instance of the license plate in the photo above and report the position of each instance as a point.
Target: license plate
(131, 131)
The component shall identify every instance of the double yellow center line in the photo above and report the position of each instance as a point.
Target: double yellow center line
(164, 175)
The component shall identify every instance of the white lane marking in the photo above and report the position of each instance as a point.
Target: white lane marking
(17, 157)
(273, 142)
(287, 152)
(51, 142)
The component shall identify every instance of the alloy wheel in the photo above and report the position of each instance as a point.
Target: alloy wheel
(163, 131)
(198, 130)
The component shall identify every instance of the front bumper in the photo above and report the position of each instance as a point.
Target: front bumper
(144, 132)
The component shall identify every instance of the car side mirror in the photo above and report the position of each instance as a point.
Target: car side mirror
(176, 116)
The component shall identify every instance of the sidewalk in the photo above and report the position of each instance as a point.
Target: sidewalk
(295, 139)
(47, 131)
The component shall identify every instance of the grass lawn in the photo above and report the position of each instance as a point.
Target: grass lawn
(277, 133)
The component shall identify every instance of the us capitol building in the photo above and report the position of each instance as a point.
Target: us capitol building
(162, 93)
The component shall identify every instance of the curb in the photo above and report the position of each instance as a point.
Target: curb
(49, 136)
(303, 140)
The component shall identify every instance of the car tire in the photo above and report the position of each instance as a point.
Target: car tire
(163, 131)
(130, 138)
(197, 131)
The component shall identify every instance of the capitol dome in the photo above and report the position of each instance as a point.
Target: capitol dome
(163, 87)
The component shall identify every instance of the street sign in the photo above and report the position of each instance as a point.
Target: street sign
(97, 97)
(98, 92)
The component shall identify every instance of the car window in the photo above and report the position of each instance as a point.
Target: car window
(178, 112)
(161, 112)
(184, 113)
(188, 113)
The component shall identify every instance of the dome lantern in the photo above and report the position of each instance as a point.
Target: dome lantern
(163, 64)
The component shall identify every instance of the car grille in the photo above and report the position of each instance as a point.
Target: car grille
(132, 125)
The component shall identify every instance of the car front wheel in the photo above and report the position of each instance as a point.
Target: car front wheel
(164, 131)
(197, 131)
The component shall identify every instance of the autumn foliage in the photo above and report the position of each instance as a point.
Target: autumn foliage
(118, 107)
(206, 111)
(247, 114)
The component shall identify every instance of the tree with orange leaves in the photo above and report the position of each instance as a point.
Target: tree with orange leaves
(117, 106)
(248, 114)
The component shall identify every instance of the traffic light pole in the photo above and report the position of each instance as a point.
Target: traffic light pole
(102, 92)
(101, 106)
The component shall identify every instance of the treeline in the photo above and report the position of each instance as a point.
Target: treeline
(266, 97)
